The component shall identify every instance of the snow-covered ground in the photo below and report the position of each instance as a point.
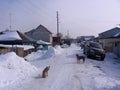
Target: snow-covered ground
(64, 74)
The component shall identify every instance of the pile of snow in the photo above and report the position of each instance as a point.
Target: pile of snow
(58, 48)
(53, 51)
(35, 55)
(64, 46)
(13, 69)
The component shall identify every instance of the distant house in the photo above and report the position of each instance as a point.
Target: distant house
(109, 39)
(85, 38)
(14, 41)
(40, 33)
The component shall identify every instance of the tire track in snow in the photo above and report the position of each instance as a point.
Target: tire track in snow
(77, 85)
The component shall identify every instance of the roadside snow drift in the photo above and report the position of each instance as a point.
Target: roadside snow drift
(44, 54)
(53, 51)
(14, 69)
(35, 55)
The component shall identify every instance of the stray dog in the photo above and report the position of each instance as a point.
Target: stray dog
(45, 72)
(80, 57)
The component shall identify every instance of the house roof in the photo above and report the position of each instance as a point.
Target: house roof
(117, 35)
(110, 33)
(41, 26)
(113, 29)
(12, 35)
(9, 35)
(43, 42)
(22, 36)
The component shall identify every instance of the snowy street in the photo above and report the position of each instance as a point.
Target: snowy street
(59, 45)
(66, 74)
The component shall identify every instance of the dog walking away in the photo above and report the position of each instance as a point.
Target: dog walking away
(80, 57)
(45, 72)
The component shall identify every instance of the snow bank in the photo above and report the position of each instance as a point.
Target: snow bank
(64, 46)
(14, 69)
(108, 82)
(35, 55)
(52, 51)
(58, 48)
(42, 54)
(110, 68)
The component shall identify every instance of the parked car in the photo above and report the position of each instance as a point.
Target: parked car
(94, 49)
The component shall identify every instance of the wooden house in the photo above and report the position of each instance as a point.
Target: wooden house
(40, 33)
(109, 38)
(14, 41)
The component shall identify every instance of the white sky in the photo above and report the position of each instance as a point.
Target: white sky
(79, 17)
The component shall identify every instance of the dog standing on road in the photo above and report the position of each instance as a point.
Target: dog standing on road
(45, 72)
(80, 57)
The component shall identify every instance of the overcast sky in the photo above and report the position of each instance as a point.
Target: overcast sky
(79, 17)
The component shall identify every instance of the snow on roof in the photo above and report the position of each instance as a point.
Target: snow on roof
(117, 35)
(26, 47)
(10, 35)
(43, 42)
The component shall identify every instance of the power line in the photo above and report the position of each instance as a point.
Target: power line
(33, 8)
(40, 7)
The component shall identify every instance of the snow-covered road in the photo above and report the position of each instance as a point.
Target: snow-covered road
(66, 74)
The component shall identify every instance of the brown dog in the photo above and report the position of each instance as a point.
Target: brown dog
(80, 57)
(45, 72)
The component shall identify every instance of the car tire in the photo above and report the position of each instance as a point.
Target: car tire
(83, 51)
(88, 55)
(103, 57)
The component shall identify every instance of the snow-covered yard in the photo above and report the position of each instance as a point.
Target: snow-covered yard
(64, 74)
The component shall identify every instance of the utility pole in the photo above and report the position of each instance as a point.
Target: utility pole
(10, 21)
(57, 24)
(68, 33)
